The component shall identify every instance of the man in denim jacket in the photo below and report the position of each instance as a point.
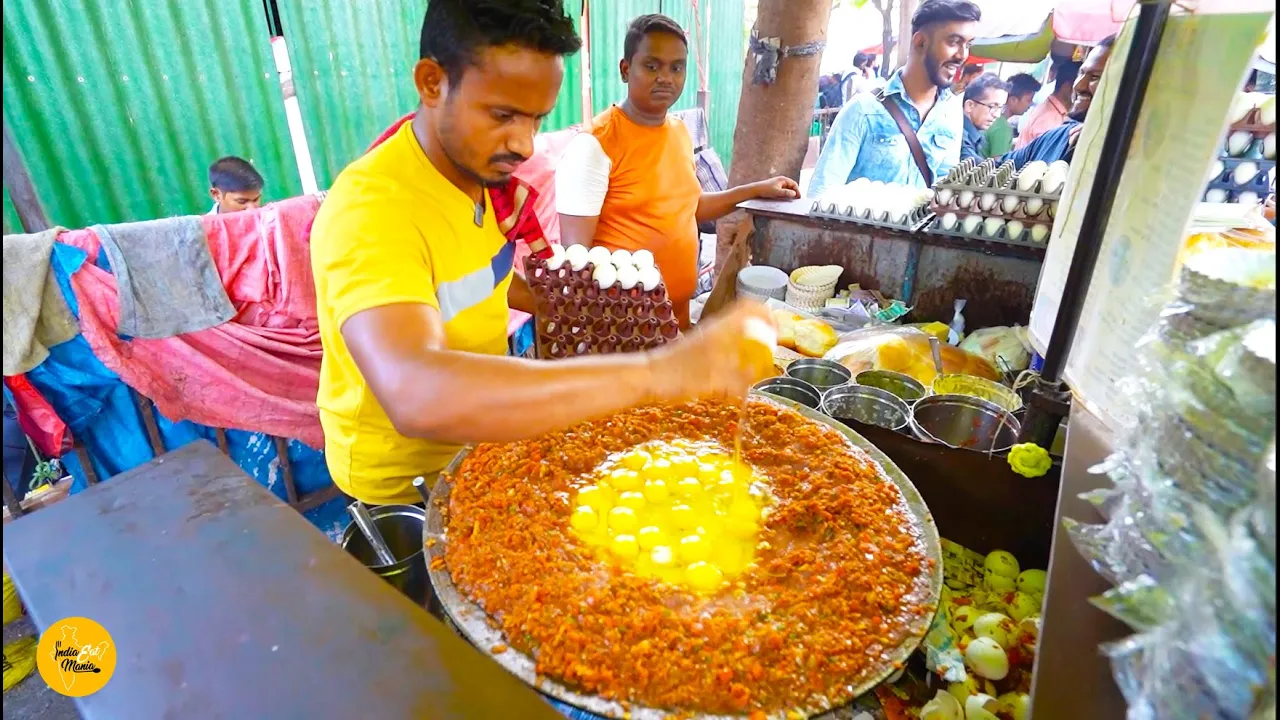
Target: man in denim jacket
(866, 142)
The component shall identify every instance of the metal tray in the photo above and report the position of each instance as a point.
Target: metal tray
(472, 622)
(918, 218)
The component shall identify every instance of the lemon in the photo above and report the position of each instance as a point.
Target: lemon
(655, 491)
(631, 499)
(650, 537)
(623, 520)
(584, 519)
(694, 548)
(625, 546)
(703, 576)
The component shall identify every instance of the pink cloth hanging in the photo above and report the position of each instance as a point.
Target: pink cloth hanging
(258, 372)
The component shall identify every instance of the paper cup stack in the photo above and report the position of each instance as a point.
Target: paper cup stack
(810, 287)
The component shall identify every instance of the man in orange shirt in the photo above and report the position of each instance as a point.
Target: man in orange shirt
(1053, 111)
(627, 181)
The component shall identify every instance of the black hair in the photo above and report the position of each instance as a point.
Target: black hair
(1065, 75)
(862, 60)
(233, 174)
(1107, 41)
(1023, 84)
(979, 87)
(970, 71)
(938, 12)
(455, 31)
(646, 24)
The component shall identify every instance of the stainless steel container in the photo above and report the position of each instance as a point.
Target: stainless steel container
(964, 421)
(401, 526)
(792, 389)
(904, 386)
(822, 374)
(862, 404)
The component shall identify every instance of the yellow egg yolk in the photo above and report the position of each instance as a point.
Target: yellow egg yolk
(682, 512)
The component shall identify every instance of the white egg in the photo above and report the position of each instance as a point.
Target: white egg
(991, 226)
(605, 275)
(1031, 174)
(981, 707)
(642, 259)
(1240, 106)
(944, 706)
(1010, 204)
(1244, 172)
(649, 278)
(628, 276)
(599, 255)
(620, 257)
(971, 223)
(1215, 195)
(1267, 110)
(987, 659)
(1033, 206)
(1013, 230)
(576, 255)
(997, 626)
(1248, 197)
(1216, 170)
(1039, 233)
(964, 199)
(1238, 143)
(987, 201)
(1053, 209)
(1053, 180)
(557, 258)
(1269, 147)
(948, 221)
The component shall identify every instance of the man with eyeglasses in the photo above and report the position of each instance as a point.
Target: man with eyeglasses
(984, 101)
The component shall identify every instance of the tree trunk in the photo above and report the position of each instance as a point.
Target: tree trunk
(887, 38)
(905, 9)
(772, 135)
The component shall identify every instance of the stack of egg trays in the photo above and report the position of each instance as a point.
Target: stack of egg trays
(985, 177)
(574, 317)
(916, 220)
(1259, 184)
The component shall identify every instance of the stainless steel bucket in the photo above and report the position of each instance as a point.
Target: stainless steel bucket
(863, 404)
(401, 526)
(822, 374)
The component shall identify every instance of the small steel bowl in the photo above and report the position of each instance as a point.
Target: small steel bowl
(904, 386)
(866, 405)
(965, 422)
(822, 374)
(792, 389)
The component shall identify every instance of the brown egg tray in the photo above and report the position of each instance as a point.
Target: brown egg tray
(1253, 125)
(574, 317)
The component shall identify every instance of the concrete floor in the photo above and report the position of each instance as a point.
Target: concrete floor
(32, 699)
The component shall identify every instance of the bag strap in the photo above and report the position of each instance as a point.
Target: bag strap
(909, 133)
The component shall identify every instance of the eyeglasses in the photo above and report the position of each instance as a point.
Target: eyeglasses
(993, 107)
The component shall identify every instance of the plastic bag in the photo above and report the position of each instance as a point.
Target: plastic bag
(1009, 343)
(905, 350)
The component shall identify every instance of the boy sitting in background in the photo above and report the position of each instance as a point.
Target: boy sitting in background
(234, 185)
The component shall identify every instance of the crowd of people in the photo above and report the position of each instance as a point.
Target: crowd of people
(939, 108)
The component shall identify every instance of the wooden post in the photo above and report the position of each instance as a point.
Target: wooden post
(774, 120)
(21, 190)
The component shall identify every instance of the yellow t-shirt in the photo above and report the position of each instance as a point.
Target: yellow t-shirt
(394, 230)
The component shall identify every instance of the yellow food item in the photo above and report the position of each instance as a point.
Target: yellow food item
(906, 350)
(1029, 460)
(814, 337)
(680, 512)
(786, 322)
(19, 661)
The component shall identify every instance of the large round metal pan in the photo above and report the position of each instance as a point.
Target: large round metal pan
(472, 622)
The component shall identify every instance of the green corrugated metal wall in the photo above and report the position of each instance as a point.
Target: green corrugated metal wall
(353, 74)
(722, 27)
(119, 107)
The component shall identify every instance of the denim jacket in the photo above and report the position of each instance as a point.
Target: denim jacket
(866, 142)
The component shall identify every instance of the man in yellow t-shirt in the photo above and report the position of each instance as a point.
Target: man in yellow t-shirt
(413, 276)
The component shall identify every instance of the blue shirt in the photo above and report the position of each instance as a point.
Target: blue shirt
(866, 142)
(1050, 147)
(974, 144)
